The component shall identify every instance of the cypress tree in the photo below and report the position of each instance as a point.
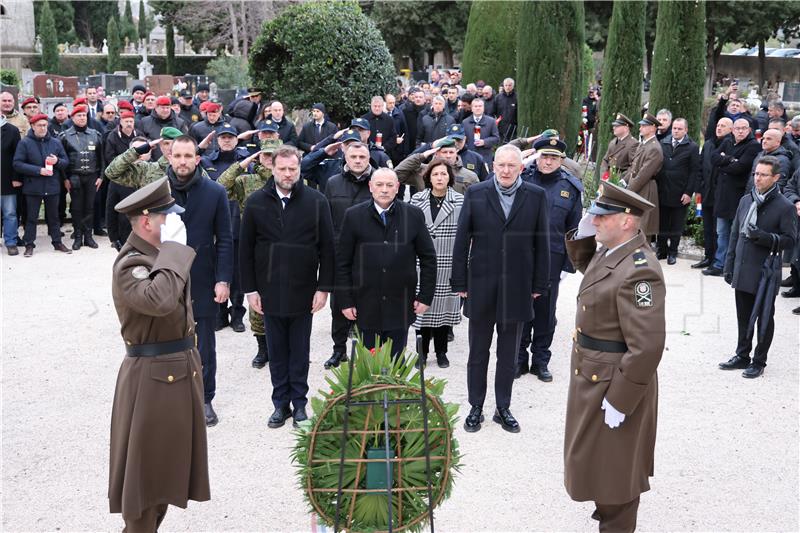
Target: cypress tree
(490, 45)
(114, 46)
(622, 69)
(679, 61)
(142, 21)
(550, 68)
(170, 44)
(49, 37)
(128, 29)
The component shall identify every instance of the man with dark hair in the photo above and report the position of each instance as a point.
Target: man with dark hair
(765, 223)
(315, 129)
(412, 110)
(208, 224)
(294, 273)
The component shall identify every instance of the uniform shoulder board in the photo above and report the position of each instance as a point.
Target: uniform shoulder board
(639, 259)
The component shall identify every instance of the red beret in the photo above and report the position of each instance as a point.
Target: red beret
(124, 104)
(37, 117)
(164, 100)
(79, 101)
(127, 114)
(28, 101)
(204, 106)
(148, 93)
(213, 107)
(79, 109)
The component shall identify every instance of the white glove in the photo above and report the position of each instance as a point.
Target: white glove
(585, 227)
(563, 275)
(173, 229)
(613, 417)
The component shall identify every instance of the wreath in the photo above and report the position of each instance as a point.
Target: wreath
(364, 503)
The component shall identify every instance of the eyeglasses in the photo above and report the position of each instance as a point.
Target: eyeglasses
(763, 175)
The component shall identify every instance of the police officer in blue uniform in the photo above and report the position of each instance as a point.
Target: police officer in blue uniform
(565, 207)
(470, 159)
(227, 154)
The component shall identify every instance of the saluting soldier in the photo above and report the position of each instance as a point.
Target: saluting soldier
(158, 431)
(239, 185)
(641, 176)
(612, 404)
(621, 149)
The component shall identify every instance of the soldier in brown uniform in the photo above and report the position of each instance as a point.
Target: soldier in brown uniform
(158, 429)
(641, 176)
(613, 392)
(620, 150)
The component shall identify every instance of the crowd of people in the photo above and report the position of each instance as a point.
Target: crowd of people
(285, 217)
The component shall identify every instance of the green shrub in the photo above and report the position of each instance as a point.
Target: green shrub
(323, 52)
(228, 72)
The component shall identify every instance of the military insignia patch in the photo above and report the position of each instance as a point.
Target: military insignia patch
(564, 194)
(553, 142)
(471, 166)
(643, 293)
(140, 272)
(639, 259)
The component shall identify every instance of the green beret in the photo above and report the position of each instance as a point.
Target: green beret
(445, 142)
(170, 133)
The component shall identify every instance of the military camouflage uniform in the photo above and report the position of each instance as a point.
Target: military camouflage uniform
(127, 170)
(239, 187)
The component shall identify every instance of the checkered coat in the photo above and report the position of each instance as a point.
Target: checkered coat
(446, 307)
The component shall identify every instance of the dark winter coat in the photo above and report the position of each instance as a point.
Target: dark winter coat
(489, 135)
(200, 130)
(384, 124)
(9, 137)
(151, 126)
(506, 110)
(733, 170)
(376, 265)
(286, 130)
(412, 113)
(117, 143)
(311, 135)
(500, 262)
(243, 115)
(783, 156)
(29, 160)
(679, 172)
(432, 126)
(708, 172)
(190, 114)
(343, 191)
(286, 254)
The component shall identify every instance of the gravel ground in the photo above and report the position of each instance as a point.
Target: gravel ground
(726, 455)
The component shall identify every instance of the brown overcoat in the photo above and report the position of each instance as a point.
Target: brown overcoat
(619, 155)
(641, 179)
(158, 430)
(621, 298)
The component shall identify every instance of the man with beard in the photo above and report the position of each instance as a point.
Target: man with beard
(208, 224)
(162, 117)
(14, 117)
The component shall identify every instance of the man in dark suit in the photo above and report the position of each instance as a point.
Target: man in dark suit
(481, 131)
(376, 272)
(316, 129)
(765, 223)
(677, 181)
(287, 255)
(501, 263)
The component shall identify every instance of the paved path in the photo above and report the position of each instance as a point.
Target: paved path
(726, 455)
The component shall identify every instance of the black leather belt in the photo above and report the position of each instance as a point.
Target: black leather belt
(155, 349)
(600, 345)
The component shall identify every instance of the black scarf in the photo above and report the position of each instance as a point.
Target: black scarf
(180, 189)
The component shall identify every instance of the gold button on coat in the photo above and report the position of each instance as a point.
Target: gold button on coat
(170, 379)
(576, 371)
(594, 377)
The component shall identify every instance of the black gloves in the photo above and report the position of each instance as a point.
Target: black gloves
(142, 148)
(759, 236)
(728, 277)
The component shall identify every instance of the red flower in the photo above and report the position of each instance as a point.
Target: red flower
(372, 351)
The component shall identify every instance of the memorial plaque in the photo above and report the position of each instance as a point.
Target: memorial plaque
(111, 83)
(160, 84)
(50, 86)
(791, 91)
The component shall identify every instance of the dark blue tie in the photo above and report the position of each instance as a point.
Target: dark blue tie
(285, 201)
(383, 217)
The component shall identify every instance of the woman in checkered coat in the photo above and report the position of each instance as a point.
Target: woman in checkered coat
(442, 206)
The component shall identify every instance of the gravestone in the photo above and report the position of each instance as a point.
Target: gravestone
(51, 86)
(160, 84)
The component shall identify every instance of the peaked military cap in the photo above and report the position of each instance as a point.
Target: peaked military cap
(621, 120)
(551, 146)
(268, 125)
(350, 135)
(360, 123)
(456, 131)
(154, 197)
(227, 129)
(613, 199)
(649, 120)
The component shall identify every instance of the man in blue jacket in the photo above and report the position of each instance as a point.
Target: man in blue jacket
(39, 160)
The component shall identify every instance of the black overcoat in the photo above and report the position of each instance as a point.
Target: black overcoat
(679, 172)
(501, 262)
(733, 169)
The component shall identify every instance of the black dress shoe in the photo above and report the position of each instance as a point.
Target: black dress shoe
(702, 264)
(442, 360)
(59, 247)
(541, 372)
(222, 323)
(88, 241)
(712, 271)
(522, 368)
(237, 325)
(796, 311)
(787, 282)
(506, 419)
(421, 360)
(262, 356)
(101, 232)
(661, 256)
(299, 415)
(279, 417)
(28, 251)
(753, 371)
(735, 363)
(335, 359)
(211, 416)
(671, 259)
(76, 244)
(474, 419)
(794, 292)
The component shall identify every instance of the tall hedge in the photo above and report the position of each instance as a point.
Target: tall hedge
(47, 27)
(114, 46)
(323, 52)
(622, 69)
(550, 68)
(679, 61)
(169, 32)
(490, 46)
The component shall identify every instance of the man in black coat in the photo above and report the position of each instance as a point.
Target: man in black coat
(376, 264)
(733, 161)
(677, 181)
(190, 113)
(287, 255)
(706, 187)
(381, 123)
(315, 129)
(162, 117)
(412, 110)
(481, 131)
(501, 263)
(505, 108)
(435, 123)
(117, 142)
(9, 137)
(765, 223)
(286, 130)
